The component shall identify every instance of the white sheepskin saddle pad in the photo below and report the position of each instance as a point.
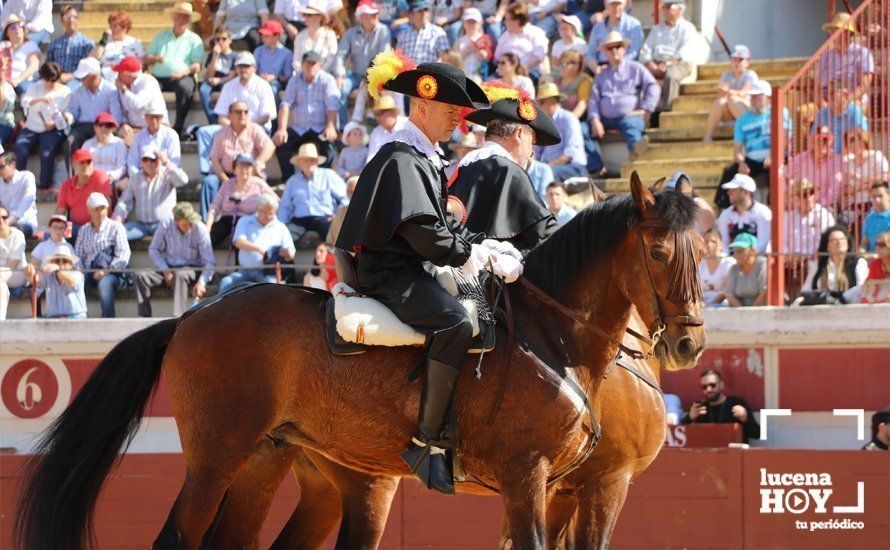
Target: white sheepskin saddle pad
(364, 320)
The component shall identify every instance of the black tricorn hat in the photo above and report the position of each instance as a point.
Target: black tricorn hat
(522, 110)
(439, 82)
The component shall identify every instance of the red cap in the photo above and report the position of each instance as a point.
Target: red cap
(128, 64)
(81, 155)
(271, 27)
(106, 118)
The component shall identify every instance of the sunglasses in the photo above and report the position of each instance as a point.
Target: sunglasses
(239, 111)
(615, 47)
(16, 26)
(708, 386)
(104, 125)
(87, 161)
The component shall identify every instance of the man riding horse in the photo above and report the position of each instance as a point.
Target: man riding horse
(491, 191)
(397, 226)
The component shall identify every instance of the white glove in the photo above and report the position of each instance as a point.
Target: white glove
(506, 266)
(502, 247)
(478, 260)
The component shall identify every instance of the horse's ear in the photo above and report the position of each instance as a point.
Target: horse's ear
(658, 185)
(643, 197)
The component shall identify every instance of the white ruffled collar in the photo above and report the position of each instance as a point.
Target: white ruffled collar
(411, 135)
(488, 149)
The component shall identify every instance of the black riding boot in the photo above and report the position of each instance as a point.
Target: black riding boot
(427, 462)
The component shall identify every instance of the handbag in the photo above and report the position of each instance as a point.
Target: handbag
(822, 298)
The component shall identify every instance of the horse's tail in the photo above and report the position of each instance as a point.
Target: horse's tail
(76, 453)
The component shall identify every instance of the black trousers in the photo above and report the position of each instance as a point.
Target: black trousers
(758, 172)
(419, 301)
(221, 230)
(80, 132)
(294, 140)
(300, 226)
(184, 88)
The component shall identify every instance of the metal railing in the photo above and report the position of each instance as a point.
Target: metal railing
(838, 103)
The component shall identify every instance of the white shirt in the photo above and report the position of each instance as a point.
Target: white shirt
(11, 248)
(18, 196)
(257, 94)
(713, 283)
(144, 93)
(325, 45)
(115, 51)
(666, 42)
(530, 45)
(42, 112)
(559, 47)
(38, 14)
(755, 221)
(802, 232)
(871, 168)
(19, 61)
(111, 157)
(486, 150)
(47, 248)
(411, 135)
(380, 135)
(851, 295)
(166, 139)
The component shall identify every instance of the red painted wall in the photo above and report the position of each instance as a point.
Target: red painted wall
(825, 379)
(742, 370)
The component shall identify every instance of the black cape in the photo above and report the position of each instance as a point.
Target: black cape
(502, 203)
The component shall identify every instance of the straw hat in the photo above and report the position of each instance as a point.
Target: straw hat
(308, 151)
(549, 89)
(841, 20)
(314, 8)
(614, 37)
(353, 125)
(184, 8)
(385, 103)
(467, 142)
(62, 252)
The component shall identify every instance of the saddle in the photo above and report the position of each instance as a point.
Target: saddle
(355, 322)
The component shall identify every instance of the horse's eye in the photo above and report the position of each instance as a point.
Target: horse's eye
(658, 256)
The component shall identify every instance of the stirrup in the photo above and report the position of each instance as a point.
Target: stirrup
(484, 341)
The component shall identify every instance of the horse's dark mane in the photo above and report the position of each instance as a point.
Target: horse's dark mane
(593, 234)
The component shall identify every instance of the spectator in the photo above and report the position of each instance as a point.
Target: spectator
(422, 41)
(476, 47)
(76, 190)
(621, 96)
(389, 120)
(745, 215)
(24, 55)
(62, 286)
(44, 105)
(175, 56)
(567, 158)
(876, 289)
(274, 61)
(218, 70)
(102, 246)
(804, 227)
(58, 225)
(681, 182)
(12, 259)
(863, 166)
(150, 195)
(541, 175)
(7, 109)
(314, 98)
(68, 49)
(311, 195)
(140, 94)
(93, 96)
(569, 40)
(878, 220)
(733, 99)
(852, 67)
(316, 37)
(448, 14)
(18, 194)
(880, 429)
(324, 275)
(393, 14)
(355, 155)
(493, 11)
(746, 282)
(260, 239)
(289, 14)
(624, 24)
(237, 197)
(841, 115)
(38, 15)
(573, 83)
(511, 73)
(459, 148)
(836, 271)
(673, 408)
(242, 18)
(669, 50)
(156, 136)
(720, 408)
(109, 151)
(239, 137)
(544, 13)
(357, 48)
(527, 42)
(250, 89)
(179, 243)
(337, 220)
(556, 203)
(714, 269)
(116, 44)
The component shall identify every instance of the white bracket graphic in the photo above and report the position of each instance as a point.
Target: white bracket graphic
(764, 416)
(860, 502)
(860, 419)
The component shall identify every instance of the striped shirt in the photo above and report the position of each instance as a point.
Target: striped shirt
(67, 51)
(85, 105)
(154, 198)
(424, 45)
(110, 157)
(110, 235)
(144, 93)
(227, 144)
(166, 139)
(310, 102)
(170, 248)
(18, 196)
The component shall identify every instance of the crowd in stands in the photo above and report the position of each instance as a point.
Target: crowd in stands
(287, 80)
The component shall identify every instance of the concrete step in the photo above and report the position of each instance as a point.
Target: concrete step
(694, 102)
(683, 119)
(665, 167)
(765, 68)
(678, 150)
(657, 135)
(110, 6)
(707, 86)
(142, 31)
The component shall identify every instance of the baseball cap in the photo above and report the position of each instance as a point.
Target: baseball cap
(87, 66)
(245, 58)
(149, 152)
(81, 155)
(245, 159)
(675, 177)
(58, 218)
(472, 14)
(105, 118)
(128, 64)
(155, 110)
(311, 57)
(418, 5)
(185, 211)
(744, 240)
(741, 51)
(96, 200)
(741, 181)
(571, 20)
(369, 8)
(761, 87)
(272, 27)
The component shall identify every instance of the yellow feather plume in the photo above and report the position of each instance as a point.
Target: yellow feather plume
(384, 67)
(496, 90)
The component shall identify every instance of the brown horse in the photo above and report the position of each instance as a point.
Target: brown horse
(248, 390)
